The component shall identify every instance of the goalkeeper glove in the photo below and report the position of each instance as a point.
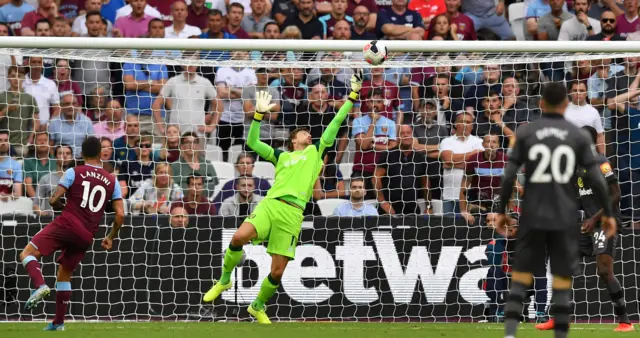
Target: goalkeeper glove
(356, 83)
(263, 104)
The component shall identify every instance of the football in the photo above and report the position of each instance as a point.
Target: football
(375, 52)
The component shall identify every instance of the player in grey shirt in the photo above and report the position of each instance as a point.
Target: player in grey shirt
(550, 23)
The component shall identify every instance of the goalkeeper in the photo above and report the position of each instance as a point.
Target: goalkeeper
(278, 218)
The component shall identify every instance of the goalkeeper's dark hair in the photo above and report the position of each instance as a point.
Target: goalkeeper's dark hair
(554, 94)
(91, 148)
(593, 133)
(293, 135)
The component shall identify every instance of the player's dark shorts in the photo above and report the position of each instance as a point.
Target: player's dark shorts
(560, 246)
(67, 235)
(596, 243)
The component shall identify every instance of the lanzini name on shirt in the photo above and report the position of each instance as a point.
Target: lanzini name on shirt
(97, 176)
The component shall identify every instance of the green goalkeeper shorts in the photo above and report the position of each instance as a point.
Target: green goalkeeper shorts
(279, 224)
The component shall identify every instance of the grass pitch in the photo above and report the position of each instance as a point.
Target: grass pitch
(286, 330)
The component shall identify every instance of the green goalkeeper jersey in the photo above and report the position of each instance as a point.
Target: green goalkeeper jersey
(297, 171)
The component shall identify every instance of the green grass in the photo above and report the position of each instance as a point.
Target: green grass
(286, 330)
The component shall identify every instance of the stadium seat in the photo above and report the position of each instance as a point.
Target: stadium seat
(327, 206)
(218, 188)
(264, 169)
(234, 152)
(350, 153)
(436, 207)
(516, 19)
(224, 170)
(213, 153)
(20, 206)
(422, 203)
(346, 169)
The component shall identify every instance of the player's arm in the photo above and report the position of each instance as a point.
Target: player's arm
(263, 106)
(55, 201)
(118, 208)
(614, 191)
(329, 134)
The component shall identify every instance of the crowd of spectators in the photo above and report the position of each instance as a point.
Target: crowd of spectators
(418, 135)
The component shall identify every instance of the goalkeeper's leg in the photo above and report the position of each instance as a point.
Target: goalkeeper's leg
(232, 257)
(605, 272)
(268, 288)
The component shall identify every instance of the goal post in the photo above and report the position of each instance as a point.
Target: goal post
(426, 263)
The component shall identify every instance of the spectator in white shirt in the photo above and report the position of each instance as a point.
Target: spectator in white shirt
(45, 91)
(180, 29)
(580, 113)
(356, 205)
(79, 27)
(580, 26)
(229, 84)
(148, 10)
(454, 150)
(186, 95)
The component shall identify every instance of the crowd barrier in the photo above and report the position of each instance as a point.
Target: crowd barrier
(382, 268)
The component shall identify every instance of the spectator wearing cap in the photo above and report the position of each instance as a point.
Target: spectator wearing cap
(309, 25)
(235, 15)
(608, 26)
(454, 152)
(374, 134)
(136, 24)
(465, 30)
(338, 9)
(399, 23)
(359, 29)
(254, 23)
(179, 29)
(581, 26)
(47, 9)
(628, 22)
(490, 15)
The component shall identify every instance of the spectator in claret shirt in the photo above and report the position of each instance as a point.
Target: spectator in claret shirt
(628, 22)
(359, 29)
(255, 23)
(179, 29)
(235, 15)
(170, 150)
(338, 9)
(374, 134)
(465, 30)
(47, 9)
(199, 13)
(488, 14)
(393, 109)
(13, 12)
(293, 90)
(608, 25)
(399, 23)
(195, 201)
(310, 27)
(63, 79)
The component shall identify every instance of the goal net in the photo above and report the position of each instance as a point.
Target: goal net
(173, 116)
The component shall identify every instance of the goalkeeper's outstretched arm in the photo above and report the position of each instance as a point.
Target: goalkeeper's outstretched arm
(263, 105)
(329, 134)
